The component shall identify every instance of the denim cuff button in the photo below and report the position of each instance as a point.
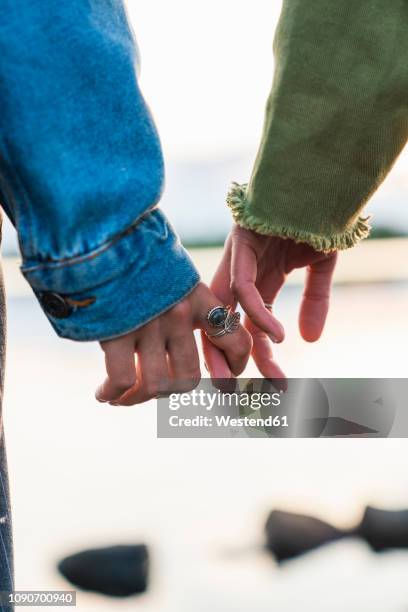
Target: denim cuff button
(55, 305)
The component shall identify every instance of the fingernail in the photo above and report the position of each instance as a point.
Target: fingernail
(113, 404)
(99, 395)
(273, 338)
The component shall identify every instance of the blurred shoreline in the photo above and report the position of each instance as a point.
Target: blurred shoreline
(371, 261)
(98, 475)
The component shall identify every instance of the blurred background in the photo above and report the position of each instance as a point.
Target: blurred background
(88, 475)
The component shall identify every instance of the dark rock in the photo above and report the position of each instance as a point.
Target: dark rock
(118, 570)
(384, 529)
(289, 535)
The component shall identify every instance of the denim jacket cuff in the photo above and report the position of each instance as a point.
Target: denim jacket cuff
(124, 284)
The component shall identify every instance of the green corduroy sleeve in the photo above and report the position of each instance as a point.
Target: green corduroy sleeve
(336, 120)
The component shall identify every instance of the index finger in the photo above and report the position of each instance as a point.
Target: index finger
(244, 268)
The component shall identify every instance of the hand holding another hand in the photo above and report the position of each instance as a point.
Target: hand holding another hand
(167, 356)
(252, 271)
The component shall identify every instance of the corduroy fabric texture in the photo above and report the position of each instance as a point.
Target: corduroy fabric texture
(336, 120)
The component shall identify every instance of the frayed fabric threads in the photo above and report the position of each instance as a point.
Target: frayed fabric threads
(237, 201)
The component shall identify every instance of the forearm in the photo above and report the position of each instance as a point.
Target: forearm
(81, 169)
(336, 120)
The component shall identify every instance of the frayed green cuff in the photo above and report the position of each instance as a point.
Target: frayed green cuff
(243, 216)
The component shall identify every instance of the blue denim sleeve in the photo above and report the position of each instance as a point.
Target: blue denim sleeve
(81, 169)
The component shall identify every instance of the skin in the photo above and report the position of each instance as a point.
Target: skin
(252, 271)
(162, 357)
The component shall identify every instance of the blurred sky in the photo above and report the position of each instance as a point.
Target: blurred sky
(206, 72)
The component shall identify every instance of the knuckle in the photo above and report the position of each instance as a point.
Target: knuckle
(242, 349)
(122, 383)
(181, 311)
(181, 338)
(317, 295)
(235, 286)
(258, 333)
(239, 285)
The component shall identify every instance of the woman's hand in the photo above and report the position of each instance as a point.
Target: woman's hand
(167, 356)
(252, 271)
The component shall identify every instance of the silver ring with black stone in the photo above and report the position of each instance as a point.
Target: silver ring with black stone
(223, 319)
